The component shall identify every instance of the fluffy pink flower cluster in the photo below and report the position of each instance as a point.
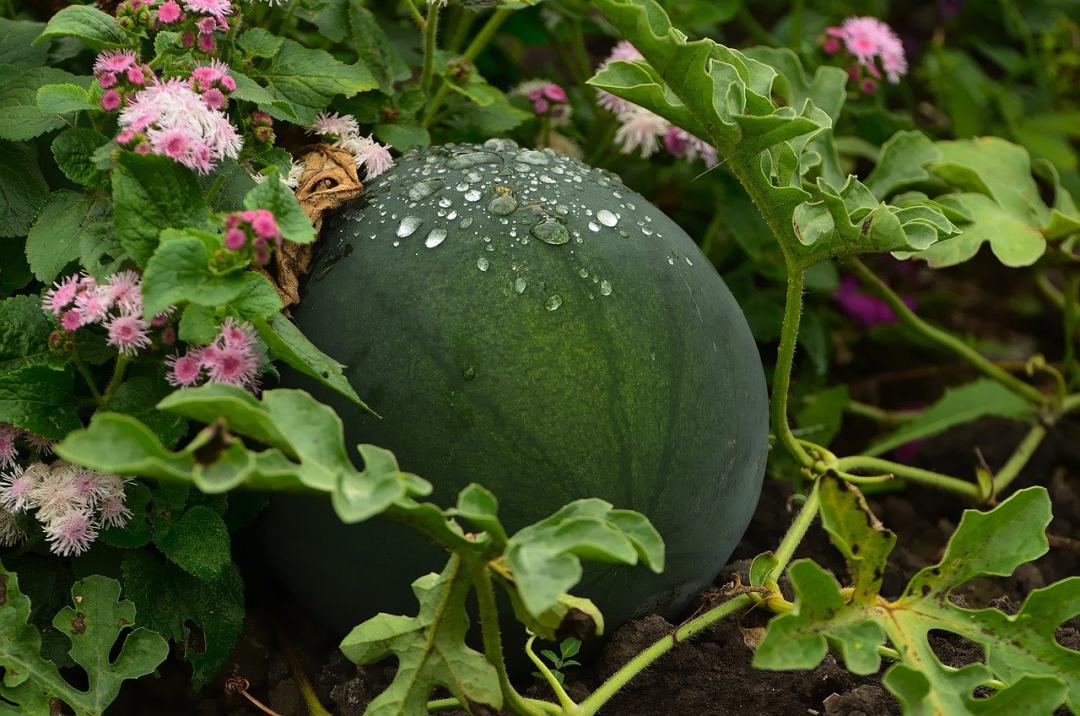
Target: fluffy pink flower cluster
(119, 74)
(79, 300)
(200, 19)
(253, 229)
(372, 157)
(172, 119)
(213, 82)
(11, 436)
(233, 357)
(72, 503)
(646, 132)
(548, 99)
(262, 127)
(868, 41)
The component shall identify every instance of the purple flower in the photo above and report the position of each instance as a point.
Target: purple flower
(864, 308)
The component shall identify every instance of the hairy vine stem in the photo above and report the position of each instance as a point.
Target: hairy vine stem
(945, 340)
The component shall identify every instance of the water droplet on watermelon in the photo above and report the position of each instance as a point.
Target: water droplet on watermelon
(593, 226)
(503, 205)
(500, 145)
(607, 218)
(583, 273)
(421, 190)
(605, 287)
(445, 202)
(531, 156)
(472, 195)
(435, 237)
(519, 285)
(466, 222)
(553, 302)
(483, 264)
(551, 232)
(471, 159)
(408, 226)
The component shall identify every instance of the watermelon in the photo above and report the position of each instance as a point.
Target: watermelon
(523, 321)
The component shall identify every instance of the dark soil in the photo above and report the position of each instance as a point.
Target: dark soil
(712, 674)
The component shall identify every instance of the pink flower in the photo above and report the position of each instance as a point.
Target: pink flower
(555, 93)
(169, 12)
(375, 158)
(235, 239)
(71, 320)
(110, 100)
(124, 289)
(114, 61)
(207, 43)
(179, 125)
(332, 123)
(128, 333)
(214, 98)
(184, 371)
(16, 487)
(107, 80)
(868, 40)
(92, 305)
(114, 513)
(135, 75)
(236, 335)
(61, 295)
(72, 533)
(264, 225)
(8, 452)
(214, 8)
(230, 364)
(622, 52)
(640, 130)
(868, 310)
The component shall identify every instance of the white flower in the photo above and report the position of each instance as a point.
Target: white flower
(332, 123)
(640, 130)
(367, 153)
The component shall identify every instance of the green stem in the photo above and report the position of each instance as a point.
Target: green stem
(567, 703)
(785, 358)
(479, 42)
(87, 376)
(489, 632)
(443, 705)
(945, 340)
(607, 690)
(420, 21)
(716, 225)
(299, 674)
(856, 463)
(461, 31)
(1070, 289)
(115, 381)
(1049, 291)
(880, 415)
(431, 35)
(1019, 458)
(786, 550)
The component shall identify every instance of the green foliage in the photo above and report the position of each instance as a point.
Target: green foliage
(768, 147)
(92, 625)
(94, 27)
(1036, 672)
(430, 649)
(958, 406)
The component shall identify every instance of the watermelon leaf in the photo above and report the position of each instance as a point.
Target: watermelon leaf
(1021, 649)
(725, 97)
(545, 558)
(958, 406)
(430, 648)
(92, 625)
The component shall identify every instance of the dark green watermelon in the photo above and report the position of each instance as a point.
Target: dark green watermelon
(526, 322)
